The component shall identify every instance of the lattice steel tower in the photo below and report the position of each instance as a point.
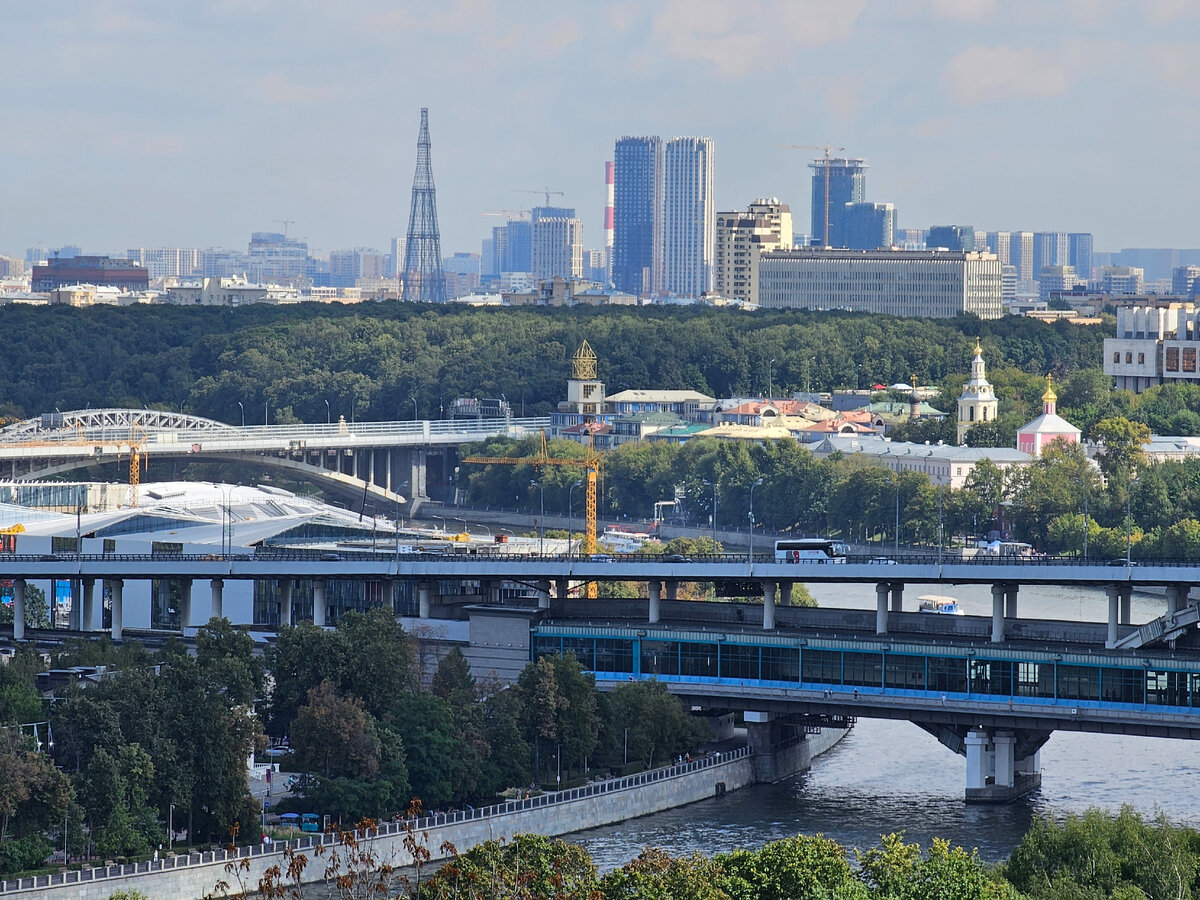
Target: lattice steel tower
(423, 276)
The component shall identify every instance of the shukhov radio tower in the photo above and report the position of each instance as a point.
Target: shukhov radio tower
(423, 277)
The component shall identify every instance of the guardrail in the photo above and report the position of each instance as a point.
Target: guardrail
(76, 876)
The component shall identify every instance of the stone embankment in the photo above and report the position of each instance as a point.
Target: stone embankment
(601, 803)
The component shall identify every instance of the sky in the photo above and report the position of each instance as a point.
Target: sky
(150, 124)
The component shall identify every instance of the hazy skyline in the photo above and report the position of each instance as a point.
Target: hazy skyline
(144, 124)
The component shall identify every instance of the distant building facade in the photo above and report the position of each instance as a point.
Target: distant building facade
(741, 238)
(869, 226)
(836, 181)
(951, 237)
(1122, 280)
(637, 219)
(276, 257)
(557, 248)
(1156, 342)
(689, 216)
(98, 270)
(893, 282)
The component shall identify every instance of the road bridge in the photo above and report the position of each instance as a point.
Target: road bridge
(393, 462)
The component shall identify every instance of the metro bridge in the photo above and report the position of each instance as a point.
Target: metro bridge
(991, 688)
(353, 459)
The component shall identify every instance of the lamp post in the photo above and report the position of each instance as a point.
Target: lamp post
(243, 409)
(1085, 518)
(770, 379)
(752, 487)
(414, 400)
(542, 519)
(714, 515)
(266, 412)
(571, 517)
(1128, 523)
(896, 533)
(327, 419)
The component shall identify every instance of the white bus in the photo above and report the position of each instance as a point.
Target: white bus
(810, 550)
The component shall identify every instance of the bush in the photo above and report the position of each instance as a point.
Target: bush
(24, 853)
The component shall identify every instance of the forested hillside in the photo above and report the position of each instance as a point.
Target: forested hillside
(370, 361)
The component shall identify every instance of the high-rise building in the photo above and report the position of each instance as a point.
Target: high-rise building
(276, 257)
(518, 246)
(608, 223)
(637, 215)
(1021, 254)
(1055, 279)
(1079, 253)
(934, 284)
(951, 237)
(551, 212)
(487, 259)
(167, 262)
(595, 266)
(689, 216)
(836, 181)
(869, 226)
(1185, 281)
(347, 266)
(1050, 248)
(1122, 280)
(1000, 242)
(557, 248)
(741, 238)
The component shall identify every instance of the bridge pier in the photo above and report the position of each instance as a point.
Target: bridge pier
(654, 590)
(89, 605)
(424, 599)
(994, 773)
(18, 609)
(116, 590)
(318, 587)
(75, 620)
(1120, 601)
(785, 593)
(1177, 595)
(769, 606)
(997, 613)
(543, 594)
(287, 587)
(185, 604)
(881, 607)
(1010, 601)
(672, 590)
(1126, 605)
(217, 590)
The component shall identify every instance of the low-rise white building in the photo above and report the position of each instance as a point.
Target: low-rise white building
(945, 464)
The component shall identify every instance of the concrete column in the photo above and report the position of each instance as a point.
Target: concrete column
(424, 599)
(1113, 592)
(1005, 743)
(185, 604)
(654, 588)
(1030, 765)
(319, 602)
(672, 590)
(116, 590)
(1010, 601)
(881, 607)
(769, 606)
(1126, 604)
(287, 588)
(18, 609)
(1176, 597)
(89, 605)
(562, 588)
(785, 593)
(897, 597)
(980, 759)
(217, 588)
(75, 620)
(543, 594)
(997, 613)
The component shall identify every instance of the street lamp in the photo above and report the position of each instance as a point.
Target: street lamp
(266, 412)
(714, 515)
(243, 409)
(1128, 523)
(327, 419)
(414, 400)
(752, 487)
(571, 516)
(770, 379)
(542, 520)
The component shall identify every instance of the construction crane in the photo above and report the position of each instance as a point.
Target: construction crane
(509, 213)
(285, 223)
(137, 437)
(549, 193)
(827, 148)
(590, 463)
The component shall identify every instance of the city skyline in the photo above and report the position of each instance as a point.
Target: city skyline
(972, 112)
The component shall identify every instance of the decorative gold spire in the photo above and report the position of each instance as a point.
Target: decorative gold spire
(978, 347)
(583, 363)
(1049, 396)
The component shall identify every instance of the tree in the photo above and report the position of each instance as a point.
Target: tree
(332, 735)
(1122, 443)
(657, 724)
(655, 875)
(529, 867)
(791, 869)
(33, 793)
(227, 657)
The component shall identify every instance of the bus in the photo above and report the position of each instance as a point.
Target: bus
(810, 550)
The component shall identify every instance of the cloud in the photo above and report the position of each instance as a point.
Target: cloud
(980, 75)
(964, 10)
(737, 37)
(275, 88)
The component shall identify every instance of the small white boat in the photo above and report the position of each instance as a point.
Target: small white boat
(937, 603)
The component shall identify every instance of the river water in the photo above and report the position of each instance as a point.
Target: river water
(891, 776)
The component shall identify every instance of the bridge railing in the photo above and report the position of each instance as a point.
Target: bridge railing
(415, 826)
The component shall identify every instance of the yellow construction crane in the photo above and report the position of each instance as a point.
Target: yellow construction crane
(137, 437)
(827, 148)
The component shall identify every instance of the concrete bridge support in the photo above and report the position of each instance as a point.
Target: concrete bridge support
(997, 613)
(654, 589)
(1127, 605)
(994, 771)
(881, 607)
(1120, 599)
(319, 602)
(217, 592)
(672, 590)
(785, 593)
(543, 594)
(769, 606)
(90, 622)
(75, 619)
(1177, 597)
(18, 609)
(287, 589)
(425, 592)
(185, 604)
(1010, 601)
(897, 597)
(116, 590)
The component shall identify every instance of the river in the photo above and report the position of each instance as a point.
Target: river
(892, 776)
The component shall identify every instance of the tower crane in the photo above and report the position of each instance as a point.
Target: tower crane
(549, 193)
(519, 212)
(137, 437)
(827, 148)
(590, 463)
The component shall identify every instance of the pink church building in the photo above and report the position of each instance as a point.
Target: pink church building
(1047, 427)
